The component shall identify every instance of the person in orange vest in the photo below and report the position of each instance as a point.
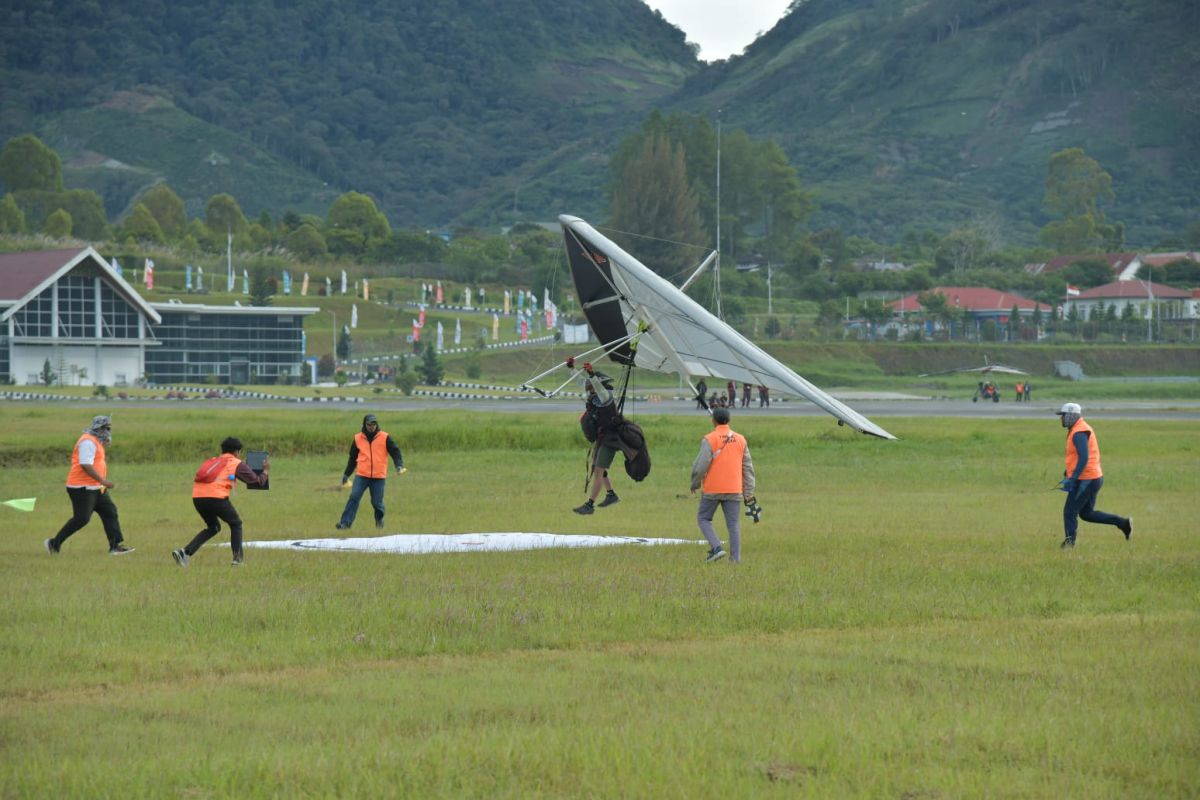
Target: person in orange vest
(211, 489)
(724, 473)
(87, 486)
(368, 463)
(1083, 477)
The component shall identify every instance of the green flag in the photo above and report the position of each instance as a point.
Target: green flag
(21, 504)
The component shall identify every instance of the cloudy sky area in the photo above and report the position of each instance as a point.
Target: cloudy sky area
(721, 27)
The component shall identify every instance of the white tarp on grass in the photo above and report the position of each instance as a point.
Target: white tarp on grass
(417, 543)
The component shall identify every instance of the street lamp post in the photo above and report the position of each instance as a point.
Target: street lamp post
(334, 352)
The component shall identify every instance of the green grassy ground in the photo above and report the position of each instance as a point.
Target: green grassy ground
(904, 623)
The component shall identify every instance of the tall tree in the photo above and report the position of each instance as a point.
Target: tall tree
(354, 224)
(167, 209)
(141, 225)
(1075, 187)
(653, 197)
(12, 220)
(222, 215)
(26, 163)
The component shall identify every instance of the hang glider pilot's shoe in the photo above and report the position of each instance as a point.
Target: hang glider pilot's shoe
(341, 527)
(715, 554)
(610, 499)
(587, 508)
(237, 560)
(120, 549)
(180, 556)
(1127, 528)
(378, 524)
(52, 548)
(1068, 543)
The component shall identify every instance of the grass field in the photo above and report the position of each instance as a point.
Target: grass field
(903, 625)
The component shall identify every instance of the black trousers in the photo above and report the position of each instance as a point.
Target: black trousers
(212, 510)
(85, 502)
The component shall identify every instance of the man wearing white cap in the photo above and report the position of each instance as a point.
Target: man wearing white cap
(87, 486)
(1083, 477)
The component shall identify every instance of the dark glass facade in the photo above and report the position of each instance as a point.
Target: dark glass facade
(195, 344)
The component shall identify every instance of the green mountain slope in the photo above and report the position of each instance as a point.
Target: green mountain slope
(434, 107)
(935, 113)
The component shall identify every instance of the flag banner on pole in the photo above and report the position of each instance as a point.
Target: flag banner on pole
(199, 279)
(116, 268)
(149, 274)
(304, 286)
(440, 337)
(21, 503)
(457, 331)
(354, 316)
(495, 327)
(187, 282)
(438, 297)
(245, 282)
(366, 290)
(343, 281)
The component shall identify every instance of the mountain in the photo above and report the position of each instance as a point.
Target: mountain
(902, 115)
(433, 106)
(911, 114)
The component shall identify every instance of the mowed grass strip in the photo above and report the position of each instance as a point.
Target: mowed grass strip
(904, 623)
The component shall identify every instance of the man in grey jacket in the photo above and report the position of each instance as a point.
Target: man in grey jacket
(724, 472)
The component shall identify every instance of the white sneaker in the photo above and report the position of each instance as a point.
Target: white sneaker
(180, 556)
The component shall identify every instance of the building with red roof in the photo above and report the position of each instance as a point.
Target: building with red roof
(1168, 302)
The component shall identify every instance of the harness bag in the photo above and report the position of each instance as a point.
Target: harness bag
(210, 470)
(587, 423)
(633, 447)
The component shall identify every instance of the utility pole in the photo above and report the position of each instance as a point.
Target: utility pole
(717, 266)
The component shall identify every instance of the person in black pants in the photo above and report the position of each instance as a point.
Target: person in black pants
(87, 486)
(211, 489)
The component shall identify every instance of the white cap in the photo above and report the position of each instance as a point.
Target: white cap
(1070, 408)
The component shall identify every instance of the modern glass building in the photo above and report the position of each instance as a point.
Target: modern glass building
(70, 312)
(199, 343)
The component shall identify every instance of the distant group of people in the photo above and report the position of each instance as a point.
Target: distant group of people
(988, 390)
(729, 399)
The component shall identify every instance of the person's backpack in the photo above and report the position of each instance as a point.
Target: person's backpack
(210, 470)
(633, 446)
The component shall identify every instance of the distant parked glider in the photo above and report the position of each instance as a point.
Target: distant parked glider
(987, 369)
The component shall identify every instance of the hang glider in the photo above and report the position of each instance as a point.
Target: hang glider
(987, 368)
(638, 315)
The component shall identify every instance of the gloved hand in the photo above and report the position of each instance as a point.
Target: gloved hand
(345, 481)
(570, 362)
(587, 367)
(400, 470)
(1070, 485)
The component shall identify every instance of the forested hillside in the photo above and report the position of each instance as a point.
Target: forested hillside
(431, 106)
(943, 113)
(901, 116)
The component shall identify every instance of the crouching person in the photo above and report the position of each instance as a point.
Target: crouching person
(211, 489)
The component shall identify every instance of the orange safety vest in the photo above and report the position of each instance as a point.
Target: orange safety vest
(724, 474)
(1092, 470)
(223, 485)
(76, 476)
(372, 455)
